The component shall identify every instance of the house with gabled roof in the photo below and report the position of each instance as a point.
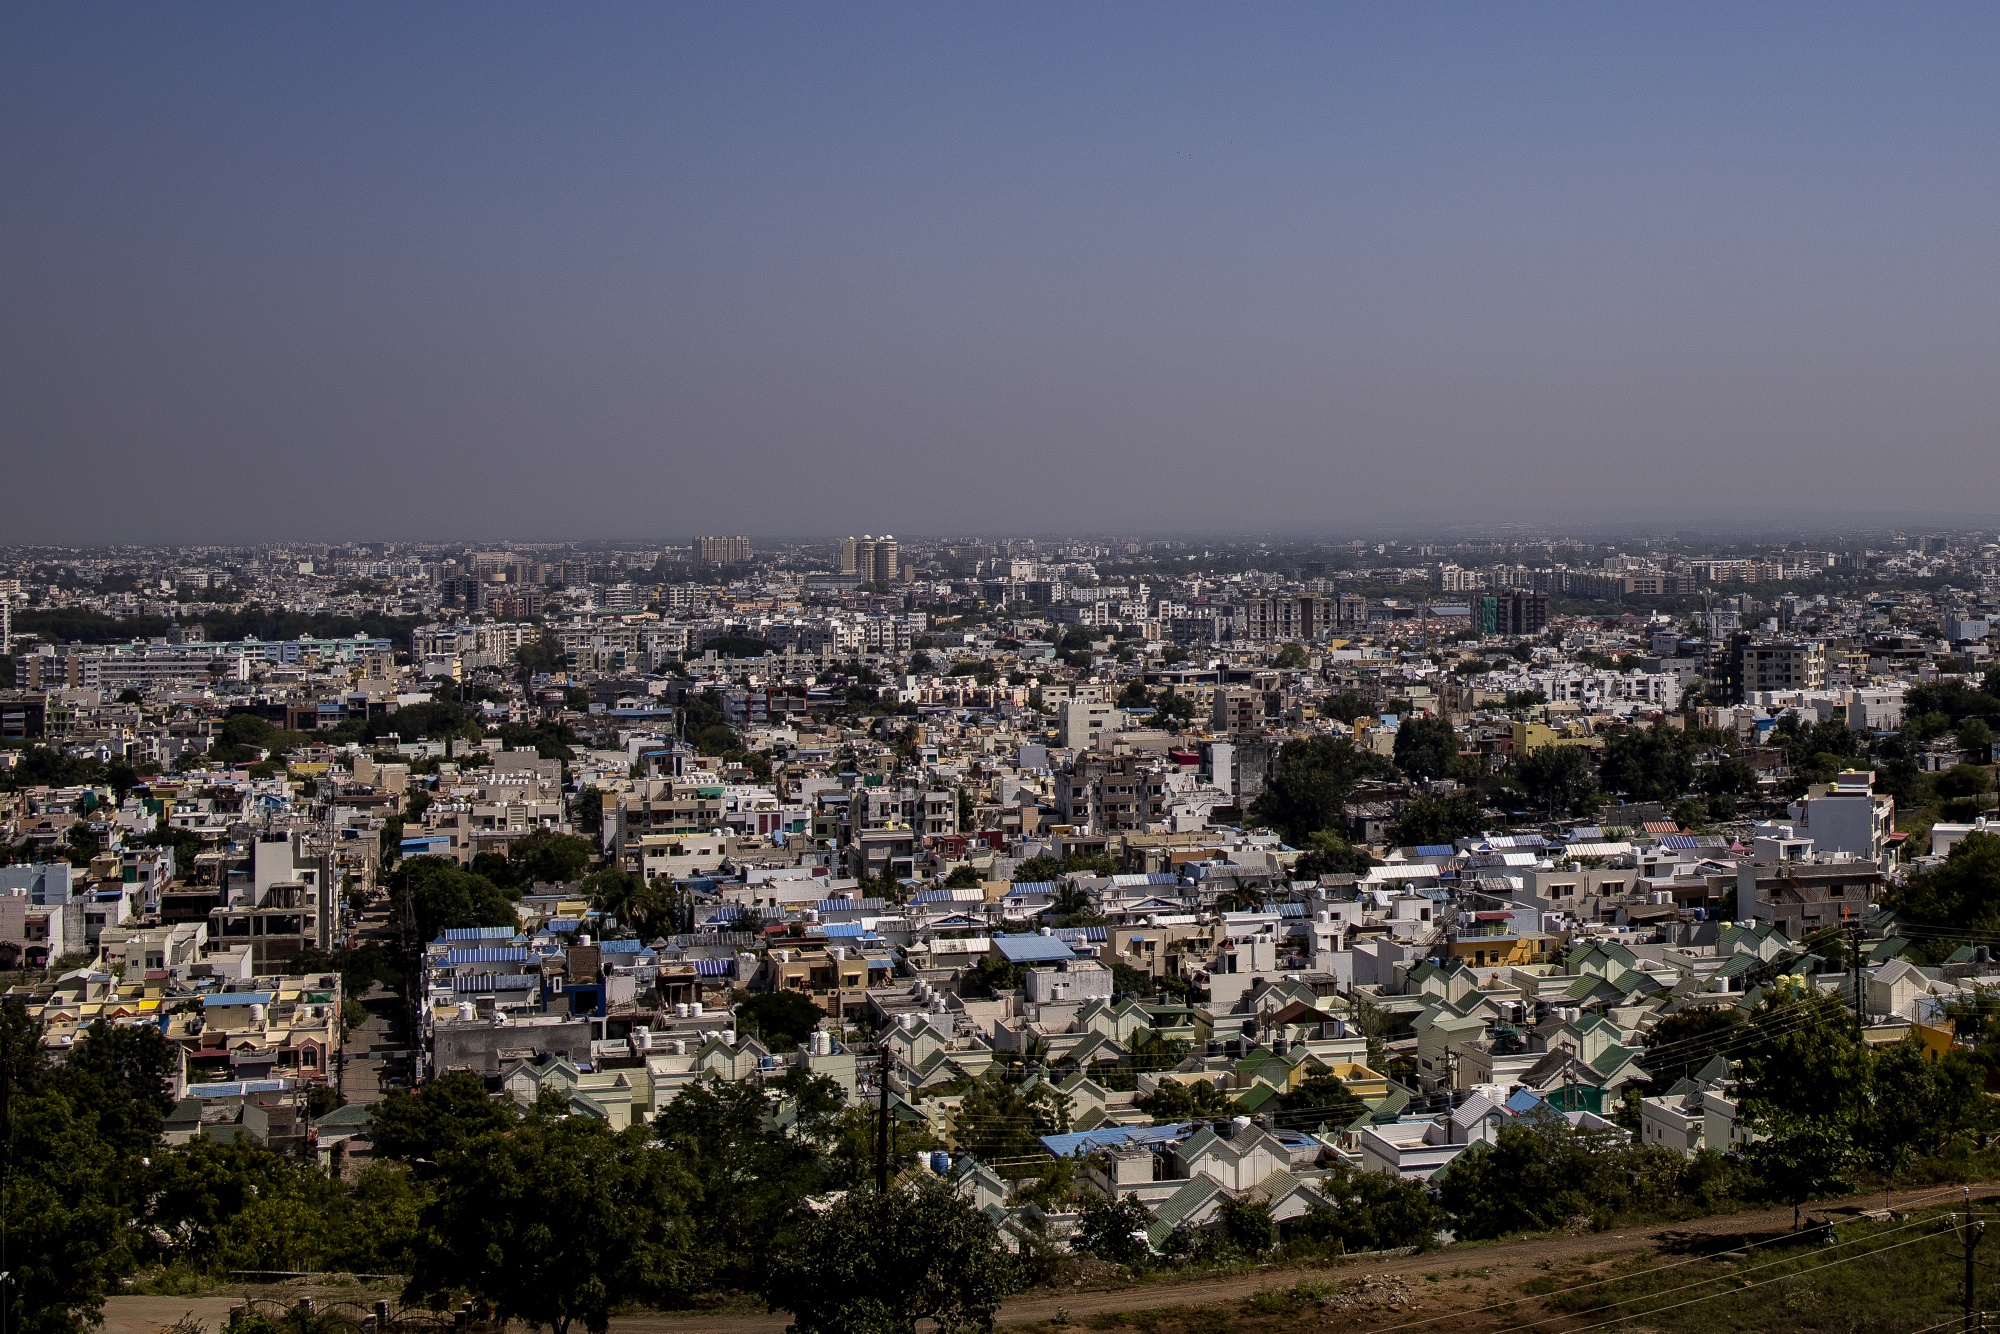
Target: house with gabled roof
(1287, 1195)
(1236, 1163)
(1193, 1205)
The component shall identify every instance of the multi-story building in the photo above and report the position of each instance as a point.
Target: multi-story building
(875, 559)
(721, 550)
(1517, 611)
(1781, 665)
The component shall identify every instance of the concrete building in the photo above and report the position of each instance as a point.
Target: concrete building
(1847, 816)
(721, 550)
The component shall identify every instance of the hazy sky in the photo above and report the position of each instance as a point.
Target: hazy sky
(396, 271)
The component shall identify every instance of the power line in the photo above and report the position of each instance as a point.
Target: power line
(1620, 1278)
(1720, 1278)
(1777, 1278)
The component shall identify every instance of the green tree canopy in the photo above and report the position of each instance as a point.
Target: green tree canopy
(558, 1221)
(880, 1262)
(428, 1125)
(1647, 764)
(1438, 820)
(1327, 853)
(437, 895)
(1314, 778)
(745, 1178)
(783, 1019)
(1961, 894)
(1560, 779)
(998, 1118)
(1426, 747)
(1370, 1211)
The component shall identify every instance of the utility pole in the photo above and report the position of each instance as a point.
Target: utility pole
(882, 1124)
(1974, 1230)
(1854, 962)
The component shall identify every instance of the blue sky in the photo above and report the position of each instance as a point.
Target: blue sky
(576, 271)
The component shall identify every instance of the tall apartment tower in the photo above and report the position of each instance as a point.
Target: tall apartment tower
(721, 550)
(875, 559)
(885, 560)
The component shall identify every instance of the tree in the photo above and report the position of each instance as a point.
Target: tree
(1426, 747)
(587, 811)
(1114, 1231)
(1327, 853)
(438, 895)
(745, 1176)
(559, 1221)
(1920, 1105)
(1648, 764)
(427, 1126)
(1802, 1058)
(999, 1119)
(1309, 791)
(1801, 1158)
(1292, 656)
(1686, 1040)
(1962, 780)
(1320, 1098)
(1538, 1173)
(1247, 1226)
(1037, 871)
(1172, 1101)
(1433, 820)
(118, 1076)
(880, 1262)
(962, 877)
(784, 1019)
(1961, 895)
(1560, 779)
(546, 857)
(67, 1195)
(649, 907)
(1370, 1212)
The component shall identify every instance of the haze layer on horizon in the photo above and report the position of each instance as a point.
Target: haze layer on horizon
(371, 271)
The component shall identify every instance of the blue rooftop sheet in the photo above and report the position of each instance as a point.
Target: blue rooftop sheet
(1436, 850)
(237, 1088)
(1111, 1137)
(239, 998)
(500, 954)
(476, 933)
(1033, 949)
(1032, 888)
(851, 905)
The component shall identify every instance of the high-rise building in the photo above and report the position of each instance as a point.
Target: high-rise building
(875, 559)
(1514, 612)
(721, 550)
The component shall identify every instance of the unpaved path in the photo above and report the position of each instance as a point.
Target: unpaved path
(1466, 1278)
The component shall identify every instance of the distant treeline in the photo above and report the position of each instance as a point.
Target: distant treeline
(64, 626)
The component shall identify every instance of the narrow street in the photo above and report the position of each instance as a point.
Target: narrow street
(375, 1055)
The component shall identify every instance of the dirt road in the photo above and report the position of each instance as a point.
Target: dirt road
(1455, 1281)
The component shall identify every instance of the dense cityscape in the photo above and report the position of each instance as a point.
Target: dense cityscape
(880, 929)
(912, 668)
